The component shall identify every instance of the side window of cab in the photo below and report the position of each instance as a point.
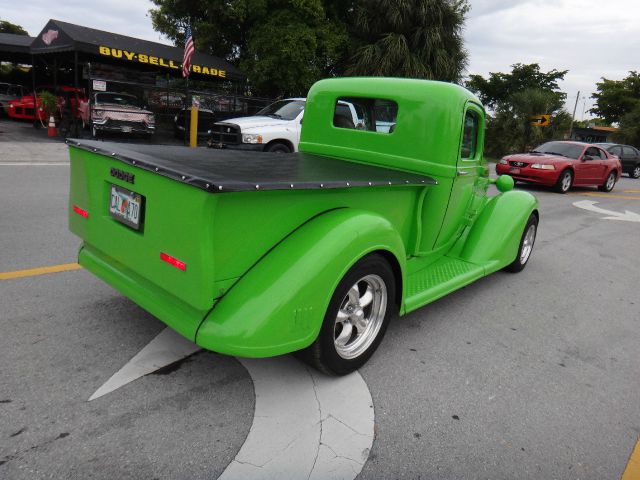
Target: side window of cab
(469, 145)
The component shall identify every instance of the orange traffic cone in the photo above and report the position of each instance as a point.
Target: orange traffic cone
(52, 127)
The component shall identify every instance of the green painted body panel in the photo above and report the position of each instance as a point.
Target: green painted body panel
(261, 266)
(278, 306)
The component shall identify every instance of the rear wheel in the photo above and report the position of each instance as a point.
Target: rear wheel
(635, 173)
(526, 245)
(565, 180)
(278, 148)
(357, 318)
(609, 183)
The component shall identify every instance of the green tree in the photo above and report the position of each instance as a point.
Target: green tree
(498, 88)
(510, 130)
(514, 98)
(283, 46)
(408, 38)
(8, 27)
(617, 98)
(629, 131)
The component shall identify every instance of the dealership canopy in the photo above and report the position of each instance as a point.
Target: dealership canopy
(58, 37)
(15, 48)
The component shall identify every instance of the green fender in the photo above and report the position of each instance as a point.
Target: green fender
(278, 306)
(494, 238)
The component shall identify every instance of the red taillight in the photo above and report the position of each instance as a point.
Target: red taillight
(173, 261)
(81, 212)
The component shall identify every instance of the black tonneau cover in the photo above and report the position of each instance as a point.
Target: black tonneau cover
(239, 171)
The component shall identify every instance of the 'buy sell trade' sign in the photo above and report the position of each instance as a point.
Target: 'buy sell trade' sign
(159, 61)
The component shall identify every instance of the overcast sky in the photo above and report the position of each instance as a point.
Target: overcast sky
(590, 38)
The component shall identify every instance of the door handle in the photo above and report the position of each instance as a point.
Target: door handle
(462, 173)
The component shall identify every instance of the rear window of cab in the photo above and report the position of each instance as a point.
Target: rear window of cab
(370, 114)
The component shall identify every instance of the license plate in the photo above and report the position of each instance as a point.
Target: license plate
(514, 170)
(126, 129)
(126, 206)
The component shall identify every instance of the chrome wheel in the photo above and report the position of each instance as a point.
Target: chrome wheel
(360, 316)
(566, 182)
(611, 181)
(527, 243)
(636, 172)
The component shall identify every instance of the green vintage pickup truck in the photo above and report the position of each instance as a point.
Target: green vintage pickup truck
(262, 254)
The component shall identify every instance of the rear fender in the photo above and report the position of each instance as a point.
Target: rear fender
(495, 236)
(278, 306)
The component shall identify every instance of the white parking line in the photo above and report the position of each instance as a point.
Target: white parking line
(166, 348)
(305, 425)
(31, 164)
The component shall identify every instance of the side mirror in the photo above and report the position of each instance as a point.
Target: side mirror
(587, 157)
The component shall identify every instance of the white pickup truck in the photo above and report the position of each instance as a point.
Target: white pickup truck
(275, 128)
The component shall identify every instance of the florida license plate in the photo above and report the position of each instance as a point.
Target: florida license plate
(126, 129)
(126, 206)
(514, 170)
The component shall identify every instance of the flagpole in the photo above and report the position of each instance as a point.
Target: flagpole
(185, 139)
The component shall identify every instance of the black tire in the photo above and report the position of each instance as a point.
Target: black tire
(278, 148)
(609, 183)
(522, 259)
(635, 173)
(562, 185)
(95, 133)
(323, 353)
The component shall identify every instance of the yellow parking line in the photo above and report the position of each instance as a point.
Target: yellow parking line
(631, 191)
(605, 195)
(632, 472)
(39, 271)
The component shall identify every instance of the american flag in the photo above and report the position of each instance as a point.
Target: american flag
(189, 50)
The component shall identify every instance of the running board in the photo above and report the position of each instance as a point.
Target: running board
(438, 279)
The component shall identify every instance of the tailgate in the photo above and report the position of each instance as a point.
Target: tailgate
(175, 222)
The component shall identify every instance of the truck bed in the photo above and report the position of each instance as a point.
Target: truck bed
(221, 171)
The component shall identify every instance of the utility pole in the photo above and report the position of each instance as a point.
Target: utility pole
(573, 117)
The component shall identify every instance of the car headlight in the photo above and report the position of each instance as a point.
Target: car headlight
(151, 119)
(503, 162)
(543, 166)
(251, 138)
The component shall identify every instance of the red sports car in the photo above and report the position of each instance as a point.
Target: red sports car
(24, 108)
(562, 165)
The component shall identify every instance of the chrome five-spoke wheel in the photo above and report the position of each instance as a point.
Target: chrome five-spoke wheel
(356, 319)
(526, 245)
(360, 316)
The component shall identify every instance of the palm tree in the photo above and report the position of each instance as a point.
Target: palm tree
(409, 38)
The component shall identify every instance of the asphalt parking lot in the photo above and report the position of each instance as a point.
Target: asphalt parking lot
(532, 375)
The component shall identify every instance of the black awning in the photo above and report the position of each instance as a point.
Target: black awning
(60, 36)
(15, 48)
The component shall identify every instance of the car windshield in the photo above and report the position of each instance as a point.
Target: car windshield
(570, 150)
(117, 99)
(284, 109)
